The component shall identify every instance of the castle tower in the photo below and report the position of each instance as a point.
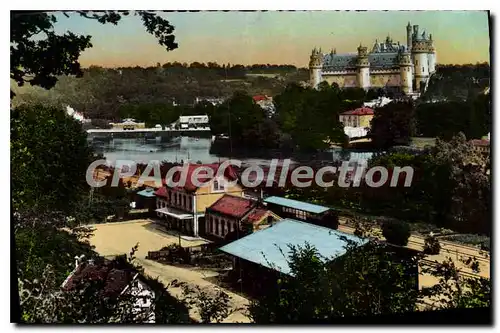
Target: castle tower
(432, 55)
(406, 72)
(420, 51)
(408, 36)
(315, 66)
(363, 68)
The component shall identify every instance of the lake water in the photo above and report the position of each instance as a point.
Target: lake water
(185, 149)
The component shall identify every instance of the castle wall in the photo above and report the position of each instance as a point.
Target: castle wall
(385, 79)
(343, 81)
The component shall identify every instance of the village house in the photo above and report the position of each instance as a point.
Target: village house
(303, 211)
(183, 207)
(118, 280)
(482, 146)
(231, 214)
(360, 117)
(265, 102)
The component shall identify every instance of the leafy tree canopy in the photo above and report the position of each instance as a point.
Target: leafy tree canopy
(38, 54)
(50, 157)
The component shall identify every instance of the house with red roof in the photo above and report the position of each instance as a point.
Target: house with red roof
(181, 202)
(115, 279)
(232, 213)
(360, 117)
(481, 145)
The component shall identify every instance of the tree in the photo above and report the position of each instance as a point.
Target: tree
(364, 281)
(455, 290)
(393, 124)
(38, 55)
(50, 157)
(463, 187)
(396, 232)
(431, 245)
(310, 116)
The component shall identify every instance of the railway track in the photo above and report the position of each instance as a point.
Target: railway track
(418, 243)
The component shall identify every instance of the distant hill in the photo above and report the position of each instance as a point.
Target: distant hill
(102, 91)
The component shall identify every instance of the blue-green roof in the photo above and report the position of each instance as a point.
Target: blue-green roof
(263, 247)
(300, 205)
(148, 193)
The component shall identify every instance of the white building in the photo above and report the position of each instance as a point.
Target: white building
(212, 100)
(128, 124)
(193, 121)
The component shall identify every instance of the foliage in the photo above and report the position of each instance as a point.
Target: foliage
(364, 228)
(450, 187)
(431, 245)
(455, 290)
(98, 296)
(457, 82)
(396, 232)
(448, 118)
(156, 95)
(39, 242)
(365, 281)
(212, 307)
(470, 239)
(393, 124)
(47, 174)
(463, 194)
(311, 116)
(38, 54)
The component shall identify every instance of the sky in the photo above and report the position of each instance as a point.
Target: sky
(278, 37)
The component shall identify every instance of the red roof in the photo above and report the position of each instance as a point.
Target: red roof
(259, 98)
(256, 215)
(477, 142)
(359, 112)
(238, 207)
(232, 206)
(229, 173)
(162, 192)
(115, 279)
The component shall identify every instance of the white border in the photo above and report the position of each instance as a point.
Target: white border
(205, 5)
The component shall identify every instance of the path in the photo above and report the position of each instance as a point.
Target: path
(111, 239)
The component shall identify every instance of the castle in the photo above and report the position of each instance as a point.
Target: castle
(389, 65)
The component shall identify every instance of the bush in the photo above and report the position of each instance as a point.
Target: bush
(470, 239)
(431, 245)
(396, 232)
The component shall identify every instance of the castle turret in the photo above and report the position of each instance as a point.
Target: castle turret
(432, 55)
(406, 72)
(315, 66)
(363, 68)
(420, 54)
(408, 36)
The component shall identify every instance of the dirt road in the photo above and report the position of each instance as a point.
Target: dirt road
(112, 239)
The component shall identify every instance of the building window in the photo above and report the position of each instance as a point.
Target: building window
(218, 185)
(423, 69)
(216, 226)
(223, 228)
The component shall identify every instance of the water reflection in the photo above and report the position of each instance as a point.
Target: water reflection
(188, 149)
